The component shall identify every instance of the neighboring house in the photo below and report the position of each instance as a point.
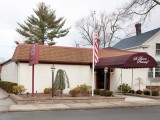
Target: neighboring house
(145, 42)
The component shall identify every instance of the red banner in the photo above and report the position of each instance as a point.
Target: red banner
(33, 54)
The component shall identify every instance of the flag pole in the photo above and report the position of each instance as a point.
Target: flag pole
(93, 84)
(93, 71)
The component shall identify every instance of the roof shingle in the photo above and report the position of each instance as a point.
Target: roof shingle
(135, 40)
(56, 54)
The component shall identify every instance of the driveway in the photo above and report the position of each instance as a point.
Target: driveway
(137, 99)
(5, 100)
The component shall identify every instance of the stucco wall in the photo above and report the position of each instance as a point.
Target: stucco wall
(9, 72)
(127, 78)
(78, 74)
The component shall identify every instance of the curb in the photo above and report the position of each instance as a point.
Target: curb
(59, 107)
(4, 108)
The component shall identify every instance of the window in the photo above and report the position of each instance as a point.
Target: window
(157, 48)
(150, 72)
(157, 71)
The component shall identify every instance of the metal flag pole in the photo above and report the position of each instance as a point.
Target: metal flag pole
(121, 82)
(93, 72)
(93, 59)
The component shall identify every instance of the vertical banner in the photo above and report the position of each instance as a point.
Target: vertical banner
(33, 54)
(33, 59)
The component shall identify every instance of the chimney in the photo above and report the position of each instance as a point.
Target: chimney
(138, 28)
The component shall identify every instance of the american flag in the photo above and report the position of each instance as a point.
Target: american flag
(96, 40)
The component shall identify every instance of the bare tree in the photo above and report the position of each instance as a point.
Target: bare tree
(140, 8)
(108, 27)
(85, 27)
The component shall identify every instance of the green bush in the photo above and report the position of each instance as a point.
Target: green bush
(18, 89)
(83, 90)
(155, 93)
(106, 93)
(146, 92)
(74, 92)
(139, 92)
(7, 86)
(125, 88)
(109, 93)
(85, 87)
(132, 91)
(97, 91)
(103, 92)
(47, 90)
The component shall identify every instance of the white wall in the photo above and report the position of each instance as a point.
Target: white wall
(115, 79)
(152, 46)
(151, 50)
(9, 72)
(77, 74)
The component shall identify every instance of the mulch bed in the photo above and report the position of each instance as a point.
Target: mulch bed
(42, 98)
(49, 96)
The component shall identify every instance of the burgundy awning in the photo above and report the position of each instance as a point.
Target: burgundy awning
(139, 60)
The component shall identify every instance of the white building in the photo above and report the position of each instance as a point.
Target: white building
(77, 62)
(148, 42)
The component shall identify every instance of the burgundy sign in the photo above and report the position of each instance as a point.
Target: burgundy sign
(141, 60)
(33, 54)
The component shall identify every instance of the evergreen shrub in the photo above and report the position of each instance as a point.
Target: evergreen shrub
(146, 92)
(7, 86)
(47, 90)
(139, 92)
(155, 93)
(132, 91)
(125, 88)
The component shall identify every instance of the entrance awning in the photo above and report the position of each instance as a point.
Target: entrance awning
(139, 60)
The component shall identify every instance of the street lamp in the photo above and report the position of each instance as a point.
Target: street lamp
(105, 81)
(53, 69)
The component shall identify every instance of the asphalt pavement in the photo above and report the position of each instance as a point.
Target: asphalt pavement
(138, 113)
(8, 105)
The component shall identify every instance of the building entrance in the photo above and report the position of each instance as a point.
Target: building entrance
(100, 79)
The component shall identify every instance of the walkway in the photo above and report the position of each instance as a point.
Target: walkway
(138, 99)
(5, 101)
(6, 104)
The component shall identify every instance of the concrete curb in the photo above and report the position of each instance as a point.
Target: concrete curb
(143, 96)
(4, 108)
(75, 106)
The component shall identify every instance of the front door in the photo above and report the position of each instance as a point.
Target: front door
(100, 79)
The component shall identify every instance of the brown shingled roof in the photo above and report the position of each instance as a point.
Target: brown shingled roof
(56, 54)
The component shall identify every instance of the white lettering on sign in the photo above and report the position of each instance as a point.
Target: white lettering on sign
(141, 59)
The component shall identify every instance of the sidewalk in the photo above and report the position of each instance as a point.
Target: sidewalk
(130, 101)
(75, 106)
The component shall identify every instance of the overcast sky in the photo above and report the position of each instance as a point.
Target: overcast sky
(13, 11)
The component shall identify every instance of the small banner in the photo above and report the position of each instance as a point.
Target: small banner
(33, 54)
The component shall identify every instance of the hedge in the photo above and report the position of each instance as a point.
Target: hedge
(103, 92)
(146, 92)
(7, 86)
(155, 93)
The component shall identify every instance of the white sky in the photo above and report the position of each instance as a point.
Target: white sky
(13, 11)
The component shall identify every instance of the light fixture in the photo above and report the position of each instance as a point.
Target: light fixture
(53, 69)
(105, 69)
